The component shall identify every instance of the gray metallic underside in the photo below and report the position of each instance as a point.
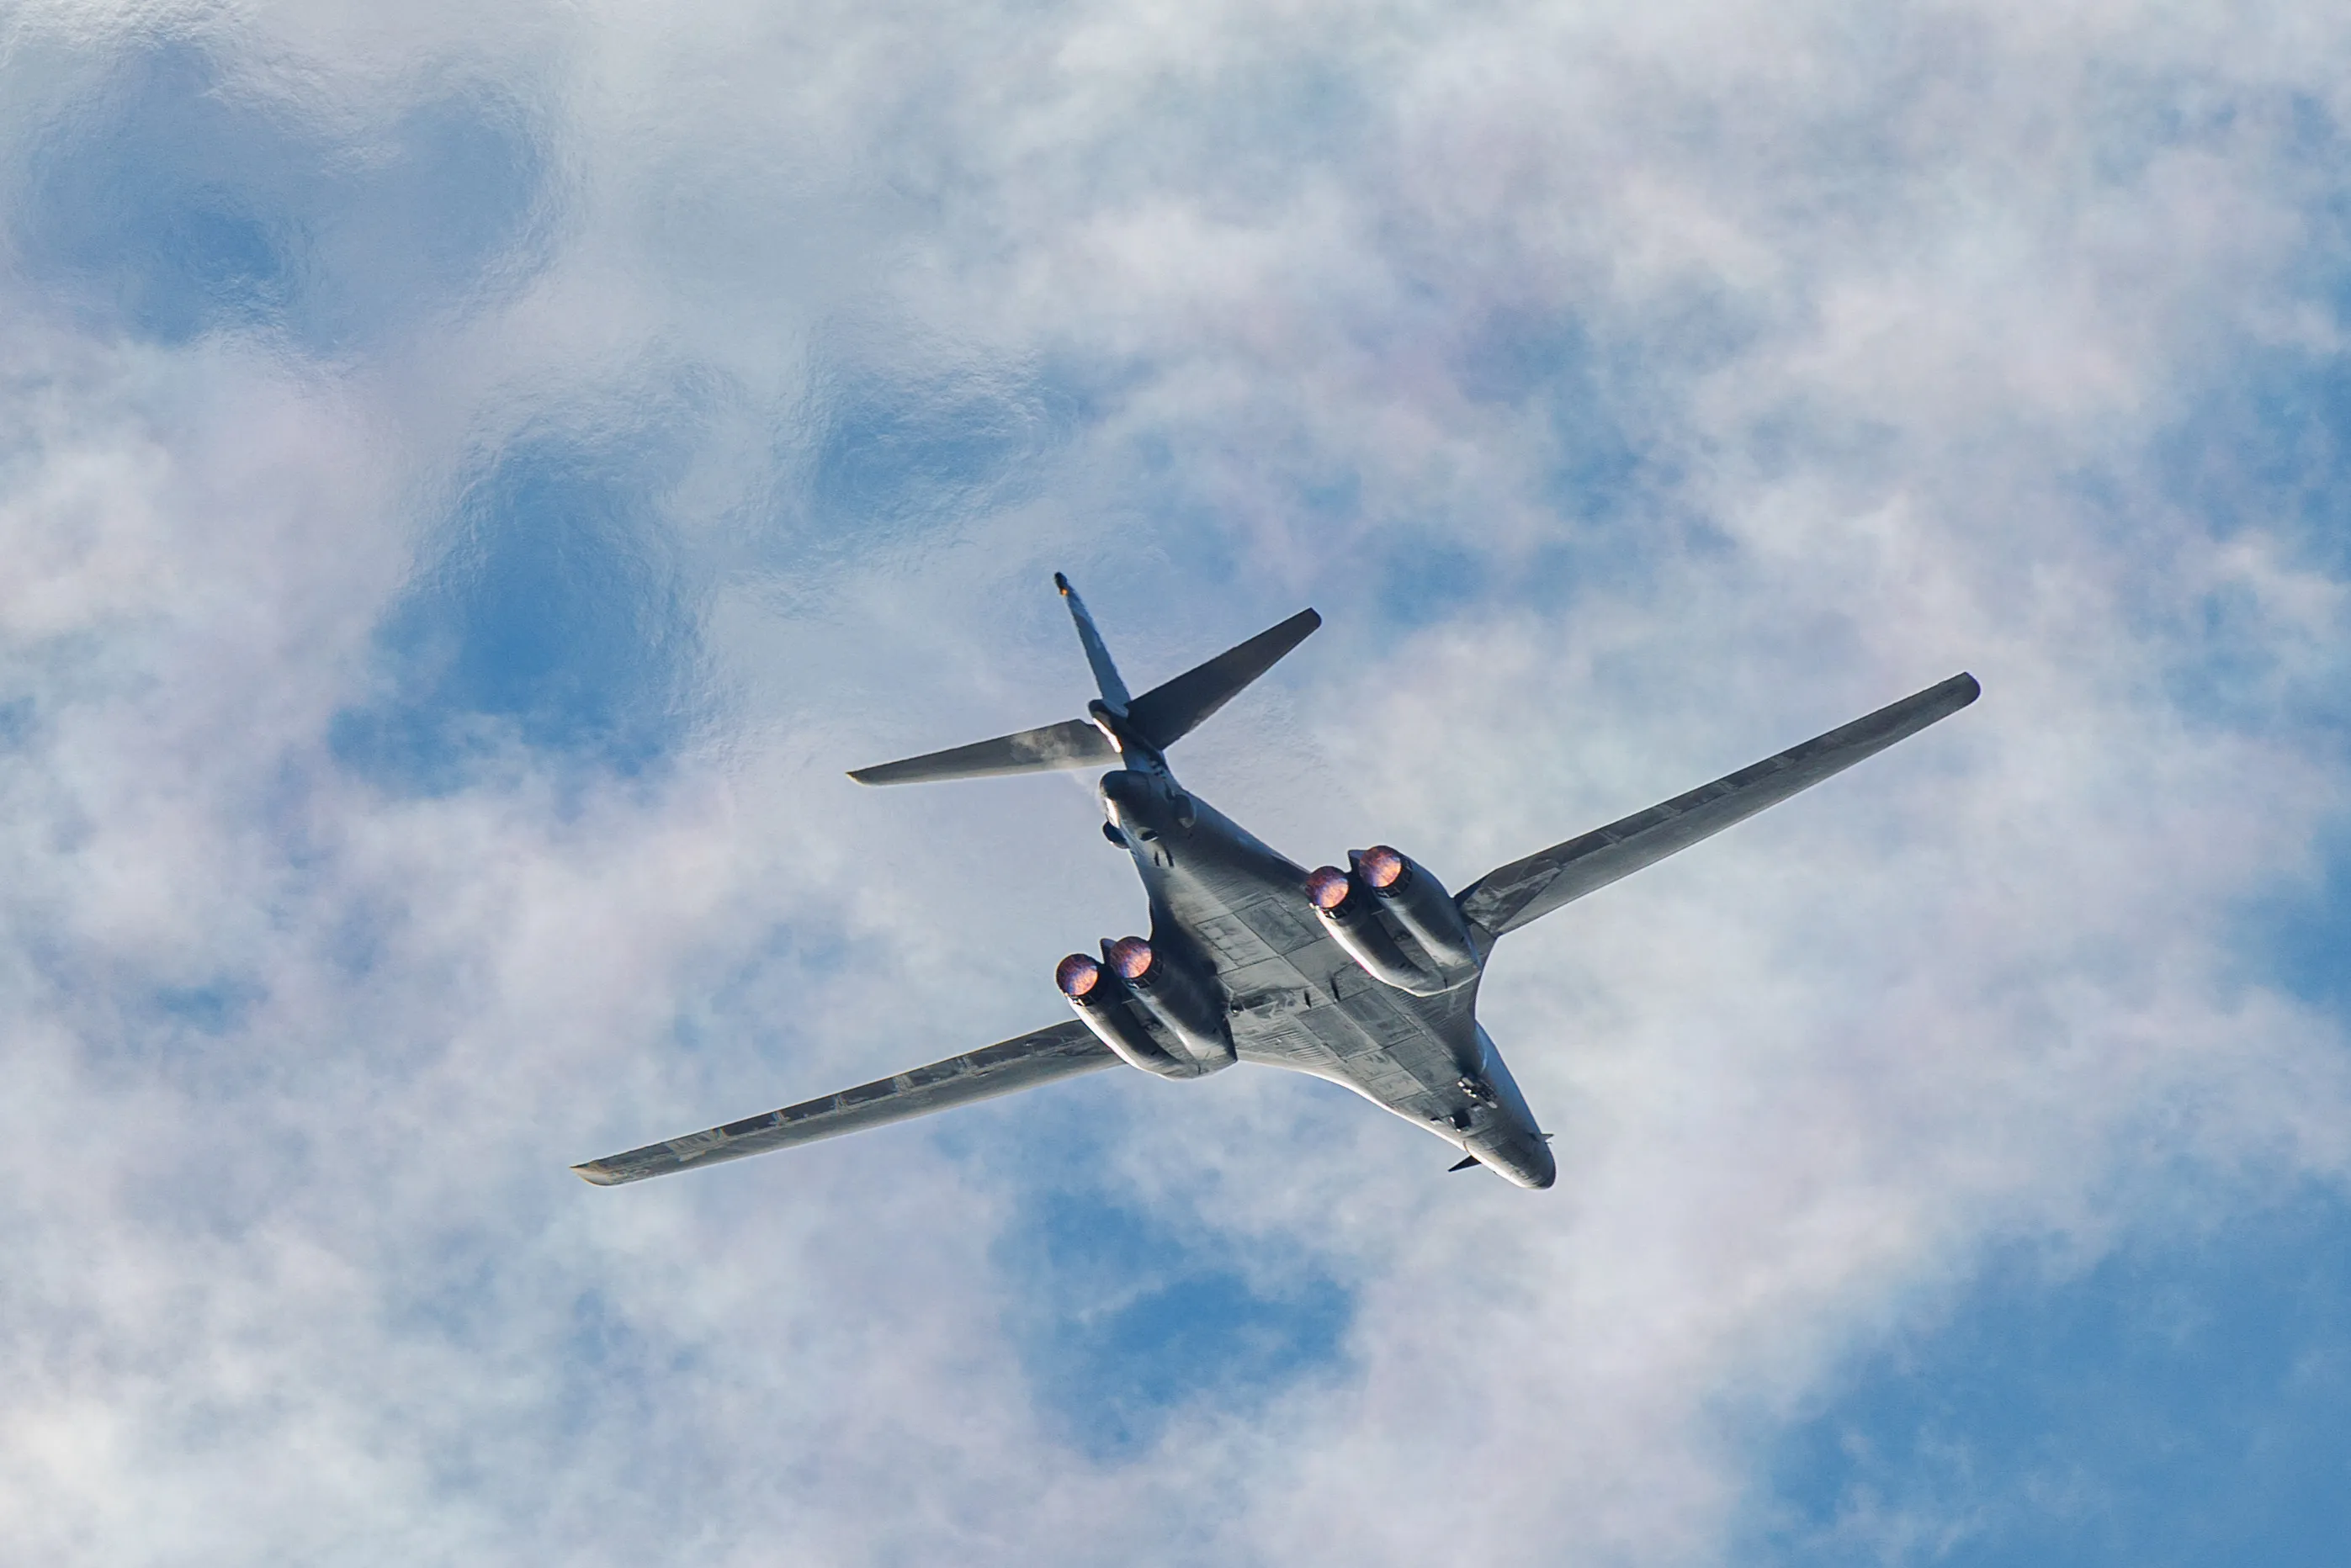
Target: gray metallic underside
(1296, 998)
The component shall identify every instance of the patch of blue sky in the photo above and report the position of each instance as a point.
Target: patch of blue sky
(1609, 492)
(172, 202)
(2266, 453)
(559, 616)
(1160, 517)
(1128, 1317)
(789, 961)
(877, 459)
(564, 611)
(2266, 440)
(1603, 492)
(2266, 450)
(214, 1008)
(1548, 361)
(2185, 1401)
(16, 718)
(612, 1373)
(1430, 579)
(2299, 938)
(750, 1023)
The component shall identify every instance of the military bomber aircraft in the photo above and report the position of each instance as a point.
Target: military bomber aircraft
(1366, 976)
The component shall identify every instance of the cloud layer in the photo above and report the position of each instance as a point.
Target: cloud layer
(472, 481)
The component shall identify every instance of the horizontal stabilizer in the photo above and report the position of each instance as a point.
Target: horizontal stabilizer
(1168, 712)
(1525, 891)
(1071, 744)
(1060, 1051)
(1160, 717)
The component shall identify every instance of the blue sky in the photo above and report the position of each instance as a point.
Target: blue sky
(2178, 1400)
(473, 479)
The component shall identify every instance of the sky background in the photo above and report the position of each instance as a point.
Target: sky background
(473, 476)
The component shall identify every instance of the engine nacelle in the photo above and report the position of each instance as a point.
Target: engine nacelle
(1185, 1002)
(1395, 921)
(1419, 903)
(1153, 1014)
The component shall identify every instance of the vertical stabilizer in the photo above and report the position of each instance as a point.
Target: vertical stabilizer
(1106, 676)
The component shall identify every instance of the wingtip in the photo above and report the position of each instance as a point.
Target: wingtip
(1063, 583)
(1969, 684)
(597, 1174)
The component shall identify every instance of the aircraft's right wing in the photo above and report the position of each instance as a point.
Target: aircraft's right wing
(1062, 1051)
(1525, 891)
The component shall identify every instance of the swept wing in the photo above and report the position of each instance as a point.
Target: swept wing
(1526, 890)
(1022, 1063)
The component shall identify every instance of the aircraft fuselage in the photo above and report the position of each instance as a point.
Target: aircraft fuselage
(1291, 998)
(1366, 976)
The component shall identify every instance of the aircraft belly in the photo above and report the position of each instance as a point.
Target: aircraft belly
(1297, 1000)
(1400, 1056)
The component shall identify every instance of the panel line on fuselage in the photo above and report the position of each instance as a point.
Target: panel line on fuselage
(1244, 906)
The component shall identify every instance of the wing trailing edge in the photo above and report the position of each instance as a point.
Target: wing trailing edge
(1525, 891)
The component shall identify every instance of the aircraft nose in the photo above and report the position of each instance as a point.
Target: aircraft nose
(1524, 1159)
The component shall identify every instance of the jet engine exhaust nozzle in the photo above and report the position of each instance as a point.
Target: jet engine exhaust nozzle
(1179, 994)
(1395, 920)
(1154, 1015)
(1131, 957)
(1418, 903)
(1104, 1004)
(1356, 924)
(1077, 975)
(1382, 868)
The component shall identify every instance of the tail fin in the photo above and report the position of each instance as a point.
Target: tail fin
(1106, 676)
(1160, 717)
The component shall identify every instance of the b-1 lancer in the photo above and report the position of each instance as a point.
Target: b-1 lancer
(1366, 976)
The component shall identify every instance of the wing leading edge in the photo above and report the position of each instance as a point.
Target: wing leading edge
(1025, 1062)
(1525, 891)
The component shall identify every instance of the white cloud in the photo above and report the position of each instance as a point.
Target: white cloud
(1756, 365)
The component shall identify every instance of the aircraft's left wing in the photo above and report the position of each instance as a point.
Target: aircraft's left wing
(1525, 891)
(1023, 1063)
